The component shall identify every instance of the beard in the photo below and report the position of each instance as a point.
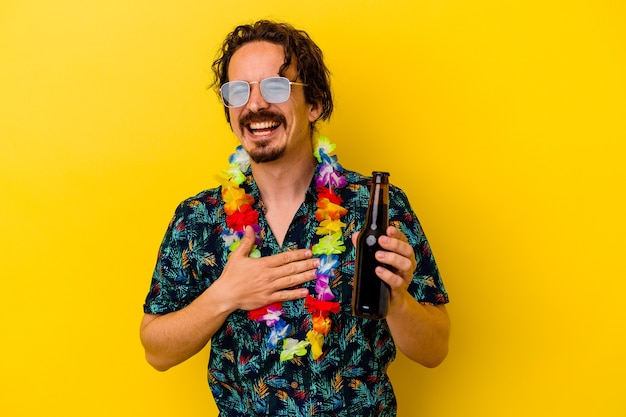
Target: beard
(265, 152)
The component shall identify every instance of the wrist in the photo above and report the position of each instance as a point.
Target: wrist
(218, 299)
(399, 303)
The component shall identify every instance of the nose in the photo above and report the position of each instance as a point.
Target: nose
(256, 100)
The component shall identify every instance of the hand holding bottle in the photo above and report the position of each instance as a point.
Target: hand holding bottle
(399, 262)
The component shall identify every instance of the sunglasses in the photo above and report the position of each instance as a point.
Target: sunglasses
(273, 90)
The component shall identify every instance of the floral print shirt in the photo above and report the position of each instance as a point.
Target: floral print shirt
(245, 376)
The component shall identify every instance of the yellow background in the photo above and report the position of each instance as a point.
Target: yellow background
(504, 121)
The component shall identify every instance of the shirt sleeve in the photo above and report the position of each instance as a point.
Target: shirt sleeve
(172, 286)
(427, 285)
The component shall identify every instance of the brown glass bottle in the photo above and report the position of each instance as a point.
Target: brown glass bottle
(370, 296)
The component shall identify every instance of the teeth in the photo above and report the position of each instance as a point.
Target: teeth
(263, 125)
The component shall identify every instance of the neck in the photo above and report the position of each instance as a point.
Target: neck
(284, 181)
(282, 188)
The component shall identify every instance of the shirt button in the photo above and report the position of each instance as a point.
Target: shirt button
(294, 385)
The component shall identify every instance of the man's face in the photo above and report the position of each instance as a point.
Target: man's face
(268, 130)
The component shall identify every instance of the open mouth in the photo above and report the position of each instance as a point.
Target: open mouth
(262, 128)
(262, 123)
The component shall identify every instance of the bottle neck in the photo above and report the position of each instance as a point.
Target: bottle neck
(377, 212)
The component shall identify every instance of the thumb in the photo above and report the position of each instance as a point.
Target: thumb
(354, 237)
(247, 242)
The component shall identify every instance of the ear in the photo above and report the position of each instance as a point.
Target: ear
(315, 110)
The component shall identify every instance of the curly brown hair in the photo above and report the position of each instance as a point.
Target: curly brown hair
(297, 45)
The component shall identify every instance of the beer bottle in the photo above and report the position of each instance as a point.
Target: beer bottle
(370, 297)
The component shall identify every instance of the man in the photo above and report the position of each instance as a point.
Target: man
(263, 265)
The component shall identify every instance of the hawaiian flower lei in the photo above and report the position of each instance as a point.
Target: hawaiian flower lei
(239, 214)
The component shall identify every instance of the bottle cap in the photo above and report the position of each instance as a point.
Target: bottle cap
(380, 177)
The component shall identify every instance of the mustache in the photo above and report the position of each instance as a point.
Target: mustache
(262, 116)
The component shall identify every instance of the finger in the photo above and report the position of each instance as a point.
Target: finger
(393, 280)
(288, 257)
(295, 273)
(395, 233)
(354, 238)
(399, 263)
(287, 295)
(246, 243)
(294, 280)
(393, 244)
